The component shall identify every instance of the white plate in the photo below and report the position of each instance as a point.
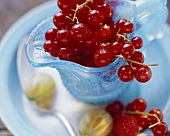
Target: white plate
(23, 119)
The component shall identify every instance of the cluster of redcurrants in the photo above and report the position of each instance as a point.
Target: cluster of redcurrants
(86, 34)
(132, 118)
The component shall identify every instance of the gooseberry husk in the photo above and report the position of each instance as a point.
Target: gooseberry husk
(96, 122)
(41, 89)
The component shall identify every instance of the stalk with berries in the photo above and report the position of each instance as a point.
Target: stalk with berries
(132, 119)
(85, 33)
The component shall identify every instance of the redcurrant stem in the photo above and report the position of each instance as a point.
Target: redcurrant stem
(143, 113)
(77, 7)
(120, 35)
(88, 7)
(132, 66)
(120, 56)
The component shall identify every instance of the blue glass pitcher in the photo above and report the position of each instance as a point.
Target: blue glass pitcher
(99, 85)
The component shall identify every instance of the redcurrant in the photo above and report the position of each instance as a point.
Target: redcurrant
(126, 73)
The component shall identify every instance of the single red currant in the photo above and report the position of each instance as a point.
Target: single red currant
(66, 6)
(51, 34)
(82, 14)
(93, 3)
(104, 32)
(79, 32)
(63, 37)
(137, 42)
(60, 20)
(121, 39)
(143, 121)
(66, 54)
(156, 112)
(109, 21)
(143, 74)
(91, 40)
(95, 18)
(115, 48)
(160, 129)
(105, 9)
(127, 50)
(126, 73)
(139, 104)
(124, 26)
(130, 107)
(77, 48)
(50, 46)
(102, 57)
(114, 107)
(138, 57)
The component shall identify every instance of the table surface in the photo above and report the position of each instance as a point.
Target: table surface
(10, 11)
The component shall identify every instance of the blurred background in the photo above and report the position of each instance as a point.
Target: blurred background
(12, 10)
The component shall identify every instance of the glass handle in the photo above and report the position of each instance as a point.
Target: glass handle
(151, 15)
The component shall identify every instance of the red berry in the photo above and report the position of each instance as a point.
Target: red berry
(91, 40)
(121, 39)
(124, 26)
(160, 129)
(137, 42)
(51, 34)
(93, 3)
(102, 57)
(156, 112)
(139, 104)
(127, 50)
(104, 32)
(105, 9)
(117, 116)
(109, 21)
(88, 61)
(60, 20)
(50, 46)
(115, 48)
(77, 48)
(66, 54)
(79, 2)
(79, 32)
(126, 73)
(130, 107)
(66, 6)
(126, 126)
(143, 74)
(63, 37)
(138, 57)
(143, 121)
(82, 14)
(95, 18)
(114, 107)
